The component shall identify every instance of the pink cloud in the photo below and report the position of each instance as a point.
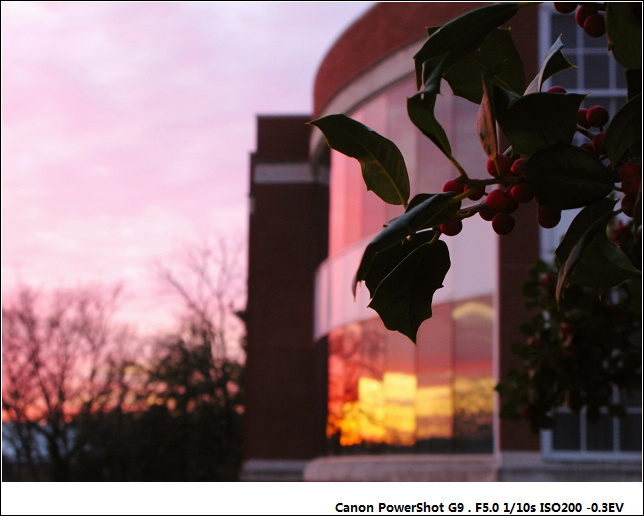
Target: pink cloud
(127, 126)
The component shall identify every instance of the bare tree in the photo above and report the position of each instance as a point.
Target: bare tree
(198, 374)
(208, 284)
(62, 359)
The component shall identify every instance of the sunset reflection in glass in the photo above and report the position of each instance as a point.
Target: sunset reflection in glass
(385, 394)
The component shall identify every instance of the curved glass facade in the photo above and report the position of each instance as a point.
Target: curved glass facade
(385, 394)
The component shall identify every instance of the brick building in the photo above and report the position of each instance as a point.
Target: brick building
(333, 395)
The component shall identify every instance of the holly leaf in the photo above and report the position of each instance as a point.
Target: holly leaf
(624, 133)
(462, 35)
(624, 32)
(498, 53)
(584, 223)
(421, 112)
(588, 257)
(538, 120)
(566, 177)
(432, 212)
(595, 262)
(420, 107)
(383, 166)
(553, 63)
(387, 260)
(486, 124)
(404, 297)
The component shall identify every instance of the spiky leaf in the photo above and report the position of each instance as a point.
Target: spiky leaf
(566, 177)
(553, 63)
(432, 212)
(624, 133)
(536, 121)
(624, 31)
(383, 166)
(497, 53)
(404, 297)
(463, 35)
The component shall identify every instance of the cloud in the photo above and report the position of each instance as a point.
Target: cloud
(127, 124)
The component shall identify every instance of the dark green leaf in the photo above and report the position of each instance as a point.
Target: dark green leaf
(624, 31)
(566, 177)
(404, 297)
(383, 166)
(597, 263)
(385, 261)
(432, 76)
(420, 109)
(624, 133)
(463, 35)
(417, 199)
(538, 120)
(554, 62)
(583, 224)
(432, 212)
(497, 52)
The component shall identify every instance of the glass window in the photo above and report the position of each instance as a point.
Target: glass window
(566, 432)
(599, 75)
(385, 394)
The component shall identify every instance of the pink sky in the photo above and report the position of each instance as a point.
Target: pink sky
(127, 127)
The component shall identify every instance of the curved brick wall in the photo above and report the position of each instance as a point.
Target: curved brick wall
(383, 29)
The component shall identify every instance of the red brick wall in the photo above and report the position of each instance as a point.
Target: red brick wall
(380, 31)
(518, 252)
(285, 378)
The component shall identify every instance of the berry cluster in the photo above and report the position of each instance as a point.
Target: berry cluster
(512, 190)
(501, 202)
(629, 174)
(588, 17)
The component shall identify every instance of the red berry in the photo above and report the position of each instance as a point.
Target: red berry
(620, 232)
(522, 193)
(477, 192)
(545, 280)
(548, 217)
(628, 205)
(630, 168)
(595, 26)
(452, 227)
(631, 184)
(514, 204)
(502, 223)
(486, 213)
(565, 7)
(583, 13)
(597, 116)
(500, 201)
(581, 118)
(515, 169)
(501, 167)
(454, 186)
(599, 144)
(557, 89)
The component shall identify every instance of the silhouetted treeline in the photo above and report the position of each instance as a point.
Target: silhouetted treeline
(82, 402)
(185, 428)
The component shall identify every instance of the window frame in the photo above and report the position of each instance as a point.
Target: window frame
(550, 238)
